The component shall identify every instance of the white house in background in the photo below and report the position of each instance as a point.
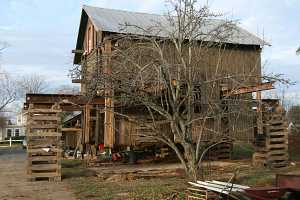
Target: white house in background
(14, 130)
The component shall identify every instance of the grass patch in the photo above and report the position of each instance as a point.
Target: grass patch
(262, 177)
(75, 168)
(140, 189)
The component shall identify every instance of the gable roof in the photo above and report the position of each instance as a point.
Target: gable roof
(110, 20)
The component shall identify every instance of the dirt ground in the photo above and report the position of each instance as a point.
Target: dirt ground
(14, 184)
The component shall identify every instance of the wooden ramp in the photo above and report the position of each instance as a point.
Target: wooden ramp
(43, 144)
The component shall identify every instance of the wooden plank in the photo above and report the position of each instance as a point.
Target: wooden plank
(43, 111)
(44, 118)
(277, 133)
(284, 157)
(42, 158)
(44, 134)
(277, 152)
(77, 130)
(44, 167)
(109, 134)
(55, 150)
(283, 140)
(44, 175)
(250, 89)
(272, 146)
(43, 126)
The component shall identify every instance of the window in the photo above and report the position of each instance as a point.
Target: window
(8, 132)
(17, 132)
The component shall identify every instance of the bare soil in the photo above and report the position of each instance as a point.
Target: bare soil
(14, 184)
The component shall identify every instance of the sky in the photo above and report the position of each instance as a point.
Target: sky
(41, 34)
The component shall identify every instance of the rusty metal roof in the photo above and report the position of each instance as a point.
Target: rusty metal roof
(114, 21)
(111, 20)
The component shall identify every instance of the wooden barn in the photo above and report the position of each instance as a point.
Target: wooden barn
(242, 55)
(98, 124)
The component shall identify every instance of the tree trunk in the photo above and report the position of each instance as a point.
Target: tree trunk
(192, 168)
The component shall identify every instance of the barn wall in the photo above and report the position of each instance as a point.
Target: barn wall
(240, 61)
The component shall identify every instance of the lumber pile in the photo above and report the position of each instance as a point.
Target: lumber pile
(43, 143)
(274, 152)
(212, 190)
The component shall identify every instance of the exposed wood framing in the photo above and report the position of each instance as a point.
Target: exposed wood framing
(250, 89)
(109, 133)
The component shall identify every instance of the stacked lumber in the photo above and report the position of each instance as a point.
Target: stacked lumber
(43, 144)
(204, 190)
(277, 142)
(274, 152)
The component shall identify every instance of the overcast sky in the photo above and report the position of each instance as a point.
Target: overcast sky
(41, 34)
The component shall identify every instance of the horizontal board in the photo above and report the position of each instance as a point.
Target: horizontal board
(43, 126)
(55, 150)
(77, 130)
(273, 158)
(44, 167)
(43, 141)
(277, 133)
(43, 158)
(43, 118)
(274, 152)
(44, 175)
(283, 140)
(44, 134)
(283, 146)
(42, 111)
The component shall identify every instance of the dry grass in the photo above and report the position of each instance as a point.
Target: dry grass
(86, 185)
(140, 189)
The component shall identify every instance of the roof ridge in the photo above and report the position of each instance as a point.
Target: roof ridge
(127, 11)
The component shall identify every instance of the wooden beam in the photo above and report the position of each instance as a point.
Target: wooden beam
(250, 89)
(62, 98)
(77, 130)
(109, 130)
(97, 128)
(87, 124)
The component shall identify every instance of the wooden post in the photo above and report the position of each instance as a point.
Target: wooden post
(109, 134)
(259, 113)
(97, 128)
(87, 124)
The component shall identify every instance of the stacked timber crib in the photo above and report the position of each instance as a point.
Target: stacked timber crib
(273, 146)
(44, 143)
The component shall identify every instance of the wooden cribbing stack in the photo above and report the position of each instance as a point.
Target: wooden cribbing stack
(273, 151)
(43, 143)
(277, 141)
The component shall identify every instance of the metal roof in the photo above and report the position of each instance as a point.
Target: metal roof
(111, 20)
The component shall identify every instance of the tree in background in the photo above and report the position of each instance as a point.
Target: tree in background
(298, 51)
(32, 83)
(8, 92)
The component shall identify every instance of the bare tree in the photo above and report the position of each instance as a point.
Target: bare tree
(8, 91)
(32, 83)
(170, 80)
